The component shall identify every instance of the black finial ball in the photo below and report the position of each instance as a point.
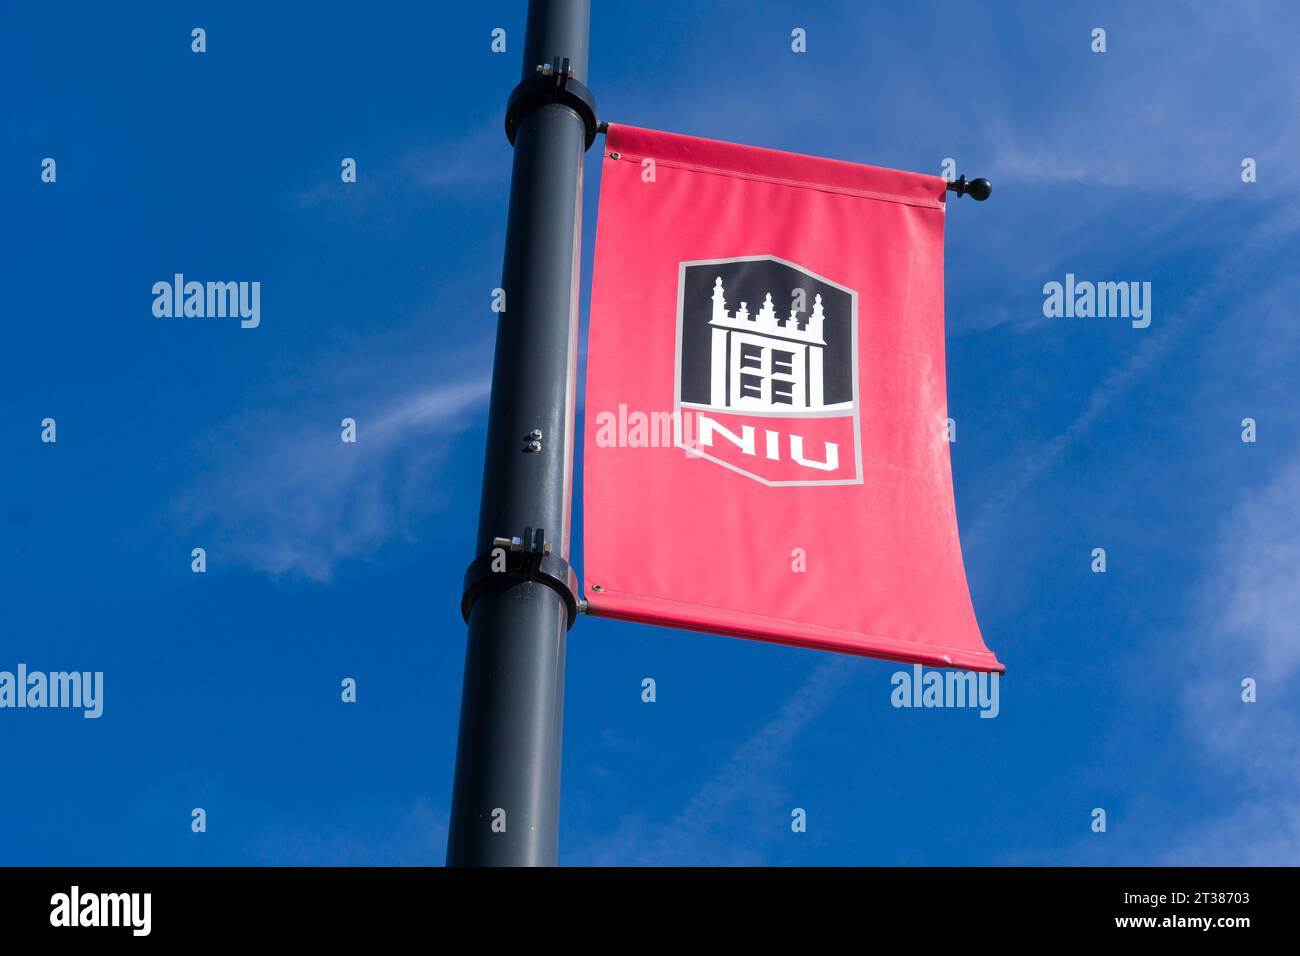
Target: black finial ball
(978, 189)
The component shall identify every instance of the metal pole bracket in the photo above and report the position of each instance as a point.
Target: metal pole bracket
(525, 559)
(554, 83)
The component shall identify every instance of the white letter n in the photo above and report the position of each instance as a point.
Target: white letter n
(744, 441)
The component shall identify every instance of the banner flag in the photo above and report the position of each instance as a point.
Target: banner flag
(766, 449)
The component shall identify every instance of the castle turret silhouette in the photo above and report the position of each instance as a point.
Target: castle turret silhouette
(806, 330)
(761, 361)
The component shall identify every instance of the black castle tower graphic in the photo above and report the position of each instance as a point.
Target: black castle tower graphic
(795, 356)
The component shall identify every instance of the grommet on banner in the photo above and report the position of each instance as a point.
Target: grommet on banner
(527, 558)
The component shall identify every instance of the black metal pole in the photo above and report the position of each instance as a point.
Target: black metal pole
(519, 594)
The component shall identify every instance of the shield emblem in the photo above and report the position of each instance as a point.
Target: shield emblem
(767, 371)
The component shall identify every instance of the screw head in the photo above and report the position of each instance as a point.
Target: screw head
(535, 434)
(534, 446)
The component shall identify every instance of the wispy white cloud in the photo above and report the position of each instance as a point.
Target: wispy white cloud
(743, 791)
(385, 185)
(1148, 113)
(1222, 284)
(296, 500)
(1172, 107)
(1250, 604)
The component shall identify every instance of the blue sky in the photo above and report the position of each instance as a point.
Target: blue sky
(328, 561)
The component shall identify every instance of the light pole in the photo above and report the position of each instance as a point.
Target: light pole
(520, 594)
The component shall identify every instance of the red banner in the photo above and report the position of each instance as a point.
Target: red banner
(766, 449)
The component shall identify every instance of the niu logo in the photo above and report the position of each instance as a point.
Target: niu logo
(767, 371)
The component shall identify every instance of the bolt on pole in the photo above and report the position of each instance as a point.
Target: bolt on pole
(506, 795)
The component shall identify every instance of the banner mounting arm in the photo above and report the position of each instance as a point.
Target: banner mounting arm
(978, 189)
